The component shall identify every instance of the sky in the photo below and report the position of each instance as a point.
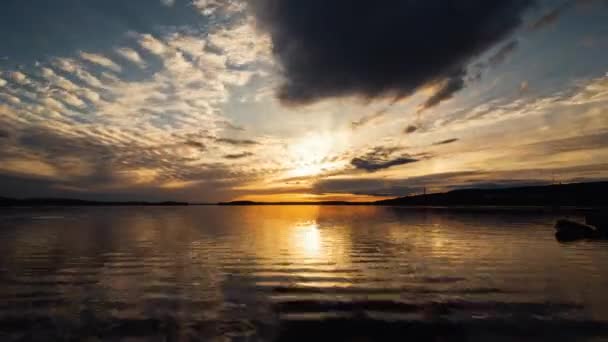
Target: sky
(286, 100)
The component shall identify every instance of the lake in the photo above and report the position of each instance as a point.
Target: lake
(264, 273)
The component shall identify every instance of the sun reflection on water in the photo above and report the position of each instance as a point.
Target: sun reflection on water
(308, 239)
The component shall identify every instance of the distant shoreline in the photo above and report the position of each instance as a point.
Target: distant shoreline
(574, 196)
(60, 202)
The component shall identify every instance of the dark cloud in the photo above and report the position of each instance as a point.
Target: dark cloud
(195, 144)
(501, 55)
(238, 155)
(447, 141)
(236, 142)
(410, 129)
(380, 48)
(445, 92)
(381, 158)
(375, 165)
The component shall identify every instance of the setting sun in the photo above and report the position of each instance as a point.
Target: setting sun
(309, 155)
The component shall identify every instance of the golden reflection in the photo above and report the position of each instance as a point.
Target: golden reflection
(308, 239)
(295, 237)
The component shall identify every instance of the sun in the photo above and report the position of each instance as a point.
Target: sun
(309, 154)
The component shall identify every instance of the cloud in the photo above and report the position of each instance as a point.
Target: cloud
(380, 158)
(569, 144)
(375, 165)
(236, 142)
(231, 126)
(19, 77)
(446, 91)
(131, 55)
(10, 98)
(576, 98)
(100, 60)
(368, 119)
(168, 3)
(447, 141)
(503, 53)
(215, 7)
(151, 44)
(78, 71)
(410, 129)
(551, 17)
(136, 131)
(238, 155)
(376, 49)
(195, 144)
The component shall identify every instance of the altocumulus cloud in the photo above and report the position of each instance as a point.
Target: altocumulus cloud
(376, 49)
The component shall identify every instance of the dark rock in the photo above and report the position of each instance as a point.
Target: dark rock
(571, 231)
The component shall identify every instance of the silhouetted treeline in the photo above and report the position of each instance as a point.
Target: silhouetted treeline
(577, 194)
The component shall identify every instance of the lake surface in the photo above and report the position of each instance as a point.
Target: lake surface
(295, 273)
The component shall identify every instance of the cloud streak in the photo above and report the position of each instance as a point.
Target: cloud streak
(368, 119)
(237, 142)
(380, 158)
(446, 142)
(238, 155)
(445, 91)
(503, 53)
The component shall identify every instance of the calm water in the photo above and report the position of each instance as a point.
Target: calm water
(272, 273)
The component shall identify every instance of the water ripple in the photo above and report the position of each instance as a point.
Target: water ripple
(296, 273)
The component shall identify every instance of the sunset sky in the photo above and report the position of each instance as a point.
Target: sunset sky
(215, 100)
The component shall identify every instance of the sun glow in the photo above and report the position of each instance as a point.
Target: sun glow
(306, 170)
(309, 155)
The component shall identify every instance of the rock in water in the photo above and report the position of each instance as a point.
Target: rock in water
(571, 231)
